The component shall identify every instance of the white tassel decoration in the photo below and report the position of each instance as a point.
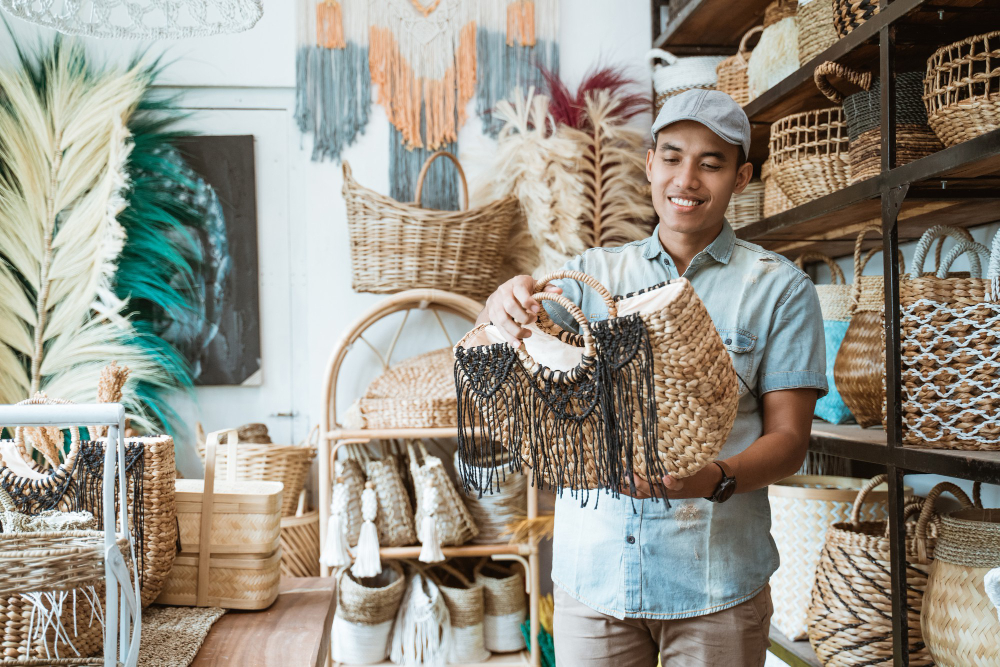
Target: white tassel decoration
(992, 583)
(335, 552)
(367, 562)
(430, 549)
(422, 632)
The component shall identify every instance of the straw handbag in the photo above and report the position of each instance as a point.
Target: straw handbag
(394, 522)
(466, 607)
(500, 501)
(777, 53)
(958, 619)
(949, 334)
(505, 606)
(803, 507)
(834, 303)
(453, 522)
(416, 393)
(680, 74)
(808, 154)
(816, 30)
(850, 616)
(962, 89)
(746, 207)
(732, 72)
(849, 14)
(366, 609)
(397, 246)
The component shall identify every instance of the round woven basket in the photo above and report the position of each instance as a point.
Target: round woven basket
(776, 55)
(731, 73)
(746, 207)
(809, 154)
(416, 393)
(466, 606)
(962, 89)
(959, 621)
(775, 199)
(816, 30)
(366, 609)
(505, 606)
(849, 14)
(501, 500)
(680, 74)
(300, 545)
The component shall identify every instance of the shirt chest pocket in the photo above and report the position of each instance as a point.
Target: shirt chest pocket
(741, 345)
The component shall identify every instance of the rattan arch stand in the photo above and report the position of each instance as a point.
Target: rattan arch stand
(333, 436)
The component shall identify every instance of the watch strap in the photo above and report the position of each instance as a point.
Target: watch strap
(727, 470)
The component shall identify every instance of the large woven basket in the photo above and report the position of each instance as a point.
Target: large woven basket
(746, 207)
(949, 335)
(809, 154)
(816, 30)
(777, 53)
(680, 74)
(397, 246)
(850, 614)
(803, 507)
(962, 89)
(849, 14)
(732, 72)
(416, 393)
(775, 199)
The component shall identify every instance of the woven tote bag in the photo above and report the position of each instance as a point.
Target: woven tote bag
(366, 609)
(350, 472)
(834, 303)
(803, 507)
(454, 522)
(505, 606)
(962, 89)
(777, 53)
(395, 513)
(732, 72)
(816, 30)
(949, 335)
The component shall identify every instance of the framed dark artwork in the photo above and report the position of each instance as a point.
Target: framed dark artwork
(221, 341)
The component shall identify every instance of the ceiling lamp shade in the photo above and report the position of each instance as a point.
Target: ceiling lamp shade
(139, 19)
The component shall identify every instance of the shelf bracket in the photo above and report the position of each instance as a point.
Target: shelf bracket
(894, 198)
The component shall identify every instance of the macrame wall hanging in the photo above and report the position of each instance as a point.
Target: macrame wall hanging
(428, 60)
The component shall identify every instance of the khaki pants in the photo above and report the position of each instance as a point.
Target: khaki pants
(734, 637)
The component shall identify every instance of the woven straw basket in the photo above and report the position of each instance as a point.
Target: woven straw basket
(680, 74)
(397, 246)
(416, 393)
(803, 507)
(746, 207)
(732, 72)
(959, 620)
(850, 615)
(849, 14)
(775, 199)
(501, 500)
(366, 608)
(454, 522)
(809, 154)
(949, 334)
(466, 607)
(962, 89)
(300, 542)
(777, 53)
(816, 30)
(505, 606)
(394, 520)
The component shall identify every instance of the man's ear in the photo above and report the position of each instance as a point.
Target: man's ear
(743, 176)
(649, 164)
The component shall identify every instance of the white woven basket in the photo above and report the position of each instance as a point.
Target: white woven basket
(775, 56)
(679, 74)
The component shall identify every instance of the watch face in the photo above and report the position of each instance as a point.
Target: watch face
(726, 490)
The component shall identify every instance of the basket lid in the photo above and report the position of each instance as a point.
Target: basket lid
(250, 496)
(428, 376)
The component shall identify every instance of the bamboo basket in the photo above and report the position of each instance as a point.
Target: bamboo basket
(397, 246)
(746, 207)
(416, 393)
(849, 14)
(962, 89)
(731, 74)
(775, 199)
(803, 507)
(808, 153)
(300, 542)
(817, 32)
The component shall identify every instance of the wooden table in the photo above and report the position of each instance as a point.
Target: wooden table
(294, 631)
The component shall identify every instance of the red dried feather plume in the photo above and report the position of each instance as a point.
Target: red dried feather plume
(571, 110)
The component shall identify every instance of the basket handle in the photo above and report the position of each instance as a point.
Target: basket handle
(856, 78)
(455, 572)
(208, 506)
(940, 233)
(993, 271)
(743, 44)
(927, 513)
(17, 458)
(962, 247)
(659, 54)
(589, 349)
(813, 256)
(423, 174)
(587, 280)
(859, 265)
(311, 440)
(863, 494)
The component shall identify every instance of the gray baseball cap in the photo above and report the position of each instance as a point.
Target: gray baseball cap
(712, 108)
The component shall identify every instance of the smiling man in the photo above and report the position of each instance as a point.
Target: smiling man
(633, 577)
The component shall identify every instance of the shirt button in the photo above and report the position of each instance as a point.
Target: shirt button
(729, 341)
(630, 539)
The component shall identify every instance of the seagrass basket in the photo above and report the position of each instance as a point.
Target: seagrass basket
(775, 199)
(731, 73)
(808, 154)
(397, 245)
(454, 522)
(466, 607)
(505, 606)
(817, 32)
(849, 14)
(366, 609)
(394, 520)
(746, 207)
(681, 74)
(962, 89)
(499, 501)
(416, 393)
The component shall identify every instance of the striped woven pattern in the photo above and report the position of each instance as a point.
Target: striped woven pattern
(300, 545)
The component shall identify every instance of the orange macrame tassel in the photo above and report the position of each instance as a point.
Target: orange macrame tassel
(521, 22)
(329, 25)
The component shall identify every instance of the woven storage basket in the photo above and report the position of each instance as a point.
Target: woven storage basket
(300, 542)
(746, 207)
(466, 607)
(849, 14)
(453, 520)
(777, 53)
(850, 614)
(505, 606)
(862, 110)
(816, 30)
(233, 558)
(731, 73)
(366, 609)
(416, 393)
(803, 507)
(962, 89)
(350, 472)
(499, 501)
(949, 334)
(775, 199)
(397, 246)
(680, 74)
(395, 513)
(809, 154)
(959, 621)
(266, 462)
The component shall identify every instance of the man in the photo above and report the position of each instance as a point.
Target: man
(633, 577)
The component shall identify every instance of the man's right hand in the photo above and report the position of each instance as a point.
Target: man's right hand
(511, 308)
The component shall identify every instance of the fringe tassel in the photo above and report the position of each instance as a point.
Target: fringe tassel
(422, 632)
(521, 23)
(335, 552)
(368, 563)
(430, 550)
(329, 25)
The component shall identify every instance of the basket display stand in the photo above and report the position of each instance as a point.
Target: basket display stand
(125, 612)
(333, 436)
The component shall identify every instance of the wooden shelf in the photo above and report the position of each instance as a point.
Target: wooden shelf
(495, 660)
(796, 654)
(710, 26)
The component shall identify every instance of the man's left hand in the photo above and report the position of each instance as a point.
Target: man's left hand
(702, 484)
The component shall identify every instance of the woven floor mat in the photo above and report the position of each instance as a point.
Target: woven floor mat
(171, 636)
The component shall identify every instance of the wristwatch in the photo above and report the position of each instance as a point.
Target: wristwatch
(727, 487)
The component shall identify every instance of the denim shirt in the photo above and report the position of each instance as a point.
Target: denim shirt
(637, 558)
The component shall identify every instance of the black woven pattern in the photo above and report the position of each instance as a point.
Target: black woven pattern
(863, 110)
(849, 14)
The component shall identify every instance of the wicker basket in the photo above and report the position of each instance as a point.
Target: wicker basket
(397, 246)
(803, 507)
(416, 393)
(809, 154)
(775, 199)
(265, 462)
(849, 14)
(505, 606)
(778, 10)
(816, 30)
(395, 513)
(949, 334)
(962, 89)
(731, 74)
(454, 522)
(501, 500)
(777, 53)
(850, 615)
(300, 542)
(680, 74)
(366, 609)
(466, 607)
(746, 207)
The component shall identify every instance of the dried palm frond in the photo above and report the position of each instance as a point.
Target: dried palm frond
(531, 531)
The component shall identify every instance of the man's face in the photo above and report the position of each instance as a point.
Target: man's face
(693, 173)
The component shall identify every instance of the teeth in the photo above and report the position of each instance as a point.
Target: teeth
(684, 202)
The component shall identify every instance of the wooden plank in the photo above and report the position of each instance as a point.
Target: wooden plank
(796, 654)
(711, 23)
(294, 631)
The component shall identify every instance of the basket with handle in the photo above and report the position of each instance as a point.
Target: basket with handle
(849, 14)
(850, 615)
(454, 522)
(680, 74)
(466, 607)
(731, 73)
(816, 30)
(505, 606)
(808, 154)
(366, 609)
(962, 89)
(397, 245)
(777, 53)
(949, 333)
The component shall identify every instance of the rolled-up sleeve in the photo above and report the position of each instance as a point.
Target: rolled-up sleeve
(795, 354)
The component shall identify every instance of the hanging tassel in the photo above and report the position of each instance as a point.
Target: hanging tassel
(521, 23)
(367, 562)
(992, 584)
(335, 552)
(430, 549)
(330, 25)
(422, 632)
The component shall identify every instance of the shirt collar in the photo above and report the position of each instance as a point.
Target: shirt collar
(721, 249)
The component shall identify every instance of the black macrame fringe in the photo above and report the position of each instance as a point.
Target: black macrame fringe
(35, 496)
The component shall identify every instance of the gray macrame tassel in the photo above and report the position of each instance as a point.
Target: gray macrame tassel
(503, 68)
(333, 97)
